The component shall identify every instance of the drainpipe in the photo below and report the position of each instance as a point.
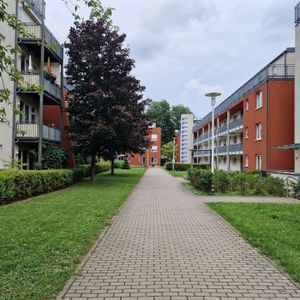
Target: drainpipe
(41, 102)
(14, 127)
(62, 101)
(267, 126)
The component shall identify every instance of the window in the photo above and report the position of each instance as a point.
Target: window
(246, 104)
(259, 96)
(154, 149)
(246, 133)
(246, 161)
(153, 160)
(224, 160)
(235, 140)
(28, 115)
(154, 137)
(234, 160)
(258, 131)
(258, 159)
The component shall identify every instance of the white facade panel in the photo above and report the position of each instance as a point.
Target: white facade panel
(186, 141)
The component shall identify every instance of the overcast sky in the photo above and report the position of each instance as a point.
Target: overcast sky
(184, 49)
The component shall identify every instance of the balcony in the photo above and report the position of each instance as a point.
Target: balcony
(222, 150)
(52, 45)
(31, 84)
(30, 132)
(222, 130)
(236, 125)
(236, 149)
(37, 7)
(202, 153)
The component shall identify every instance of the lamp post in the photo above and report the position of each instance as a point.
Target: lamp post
(173, 159)
(213, 97)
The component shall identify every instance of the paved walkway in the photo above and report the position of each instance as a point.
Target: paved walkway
(165, 244)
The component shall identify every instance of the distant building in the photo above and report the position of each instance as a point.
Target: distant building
(186, 138)
(152, 155)
(178, 146)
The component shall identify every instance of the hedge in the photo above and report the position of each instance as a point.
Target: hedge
(184, 167)
(19, 184)
(244, 183)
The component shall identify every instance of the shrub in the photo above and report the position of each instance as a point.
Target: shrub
(274, 186)
(125, 165)
(184, 167)
(100, 168)
(201, 179)
(118, 164)
(16, 185)
(221, 181)
(296, 190)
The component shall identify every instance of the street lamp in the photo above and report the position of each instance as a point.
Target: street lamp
(213, 97)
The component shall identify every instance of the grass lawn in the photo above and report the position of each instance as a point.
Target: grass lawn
(178, 173)
(273, 228)
(43, 240)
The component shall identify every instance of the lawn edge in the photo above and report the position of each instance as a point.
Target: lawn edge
(287, 275)
(96, 243)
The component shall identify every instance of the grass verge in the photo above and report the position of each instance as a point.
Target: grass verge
(273, 228)
(178, 173)
(42, 240)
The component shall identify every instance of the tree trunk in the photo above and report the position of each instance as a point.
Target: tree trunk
(93, 168)
(112, 170)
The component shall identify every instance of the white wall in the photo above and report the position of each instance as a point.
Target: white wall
(187, 121)
(297, 161)
(8, 36)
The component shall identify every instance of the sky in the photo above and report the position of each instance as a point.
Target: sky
(184, 49)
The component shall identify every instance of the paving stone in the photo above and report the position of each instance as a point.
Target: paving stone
(166, 244)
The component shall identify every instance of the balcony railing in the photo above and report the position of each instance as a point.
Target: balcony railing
(31, 131)
(271, 71)
(222, 150)
(222, 129)
(35, 33)
(31, 83)
(37, 6)
(201, 153)
(236, 124)
(236, 148)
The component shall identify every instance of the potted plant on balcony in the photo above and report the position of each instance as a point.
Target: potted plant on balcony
(48, 74)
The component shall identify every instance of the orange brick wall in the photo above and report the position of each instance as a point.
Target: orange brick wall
(145, 160)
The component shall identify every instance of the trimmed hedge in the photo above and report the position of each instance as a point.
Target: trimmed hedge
(184, 167)
(19, 184)
(244, 183)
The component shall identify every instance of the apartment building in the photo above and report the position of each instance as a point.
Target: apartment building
(251, 122)
(152, 155)
(186, 138)
(40, 62)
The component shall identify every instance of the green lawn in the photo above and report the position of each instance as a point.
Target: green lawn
(273, 228)
(178, 173)
(42, 240)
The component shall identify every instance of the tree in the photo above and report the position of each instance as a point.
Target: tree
(166, 117)
(7, 53)
(167, 151)
(108, 110)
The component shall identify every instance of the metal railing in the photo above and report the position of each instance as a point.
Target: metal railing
(222, 149)
(272, 71)
(32, 81)
(37, 6)
(201, 153)
(236, 148)
(237, 123)
(52, 134)
(222, 129)
(297, 13)
(51, 43)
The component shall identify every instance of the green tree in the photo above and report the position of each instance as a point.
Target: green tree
(167, 151)
(166, 117)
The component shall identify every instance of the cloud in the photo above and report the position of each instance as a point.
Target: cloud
(184, 48)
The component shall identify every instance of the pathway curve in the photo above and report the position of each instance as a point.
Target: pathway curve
(165, 244)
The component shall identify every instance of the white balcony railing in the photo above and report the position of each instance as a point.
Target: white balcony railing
(31, 131)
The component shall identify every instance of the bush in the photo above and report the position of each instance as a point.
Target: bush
(125, 165)
(245, 183)
(201, 179)
(20, 184)
(185, 167)
(17, 185)
(118, 164)
(296, 190)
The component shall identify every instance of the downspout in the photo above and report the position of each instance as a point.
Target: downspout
(14, 127)
(267, 126)
(41, 103)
